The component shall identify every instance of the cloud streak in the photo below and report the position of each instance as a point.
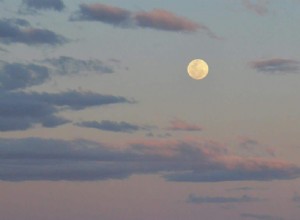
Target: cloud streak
(20, 31)
(165, 20)
(57, 5)
(157, 19)
(20, 110)
(108, 125)
(64, 65)
(276, 65)
(50, 159)
(206, 199)
(100, 12)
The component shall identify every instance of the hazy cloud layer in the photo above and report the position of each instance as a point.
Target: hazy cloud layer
(49, 159)
(64, 65)
(20, 111)
(180, 125)
(260, 217)
(57, 5)
(259, 7)
(276, 65)
(107, 125)
(206, 199)
(158, 19)
(20, 31)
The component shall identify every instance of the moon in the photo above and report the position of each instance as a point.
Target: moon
(197, 69)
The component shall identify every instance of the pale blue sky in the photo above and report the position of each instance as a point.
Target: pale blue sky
(100, 120)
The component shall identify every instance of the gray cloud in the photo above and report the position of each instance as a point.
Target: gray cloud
(67, 65)
(20, 31)
(260, 217)
(57, 5)
(20, 111)
(276, 65)
(104, 13)
(15, 76)
(18, 76)
(107, 125)
(158, 19)
(50, 159)
(206, 199)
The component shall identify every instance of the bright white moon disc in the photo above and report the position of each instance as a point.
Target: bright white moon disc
(197, 69)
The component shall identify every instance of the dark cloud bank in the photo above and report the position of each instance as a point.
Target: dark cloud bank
(81, 160)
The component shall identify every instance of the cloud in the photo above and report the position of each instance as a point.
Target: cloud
(20, 110)
(107, 125)
(259, 7)
(64, 65)
(20, 31)
(100, 12)
(205, 199)
(52, 159)
(19, 76)
(260, 217)
(180, 125)
(158, 19)
(276, 65)
(164, 20)
(57, 5)
(15, 76)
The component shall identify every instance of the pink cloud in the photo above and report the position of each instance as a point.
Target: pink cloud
(165, 20)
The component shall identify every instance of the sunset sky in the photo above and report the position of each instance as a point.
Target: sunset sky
(100, 120)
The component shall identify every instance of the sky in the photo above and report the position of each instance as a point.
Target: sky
(100, 120)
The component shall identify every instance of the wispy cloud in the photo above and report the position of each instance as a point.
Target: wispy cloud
(276, 65)
(64, 65)
(158, 19)
(259, 7)
(180, 125)
(20, 31)
(20, 111)
(57, 5)
(108, 125)
(49, 159)
(260, 217)
(206, 199)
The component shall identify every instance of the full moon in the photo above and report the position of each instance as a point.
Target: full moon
(197, 69)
